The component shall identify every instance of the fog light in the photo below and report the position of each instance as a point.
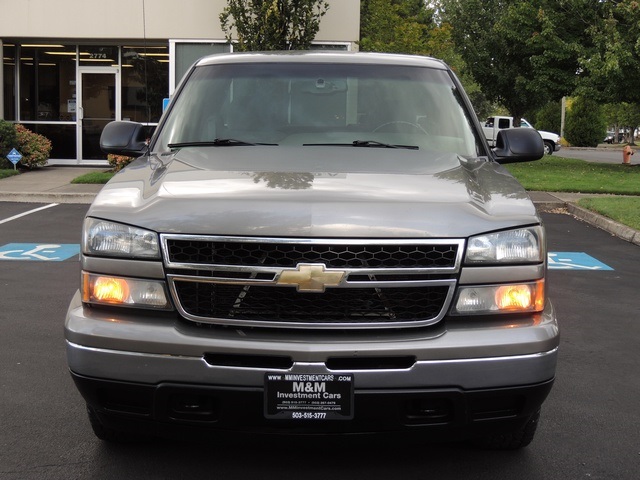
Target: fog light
(487, 299)
(514, 297)
(128, 292)
(111, 290)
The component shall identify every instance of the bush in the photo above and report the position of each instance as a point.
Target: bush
(35, 148)
(7, 142)
(118, 162)
(548, 117)
(585, 125)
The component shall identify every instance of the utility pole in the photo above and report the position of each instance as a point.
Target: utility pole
(562, 112)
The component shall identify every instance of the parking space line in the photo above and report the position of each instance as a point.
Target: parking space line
(15, 217)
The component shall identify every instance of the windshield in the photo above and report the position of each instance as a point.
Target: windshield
(302, 104)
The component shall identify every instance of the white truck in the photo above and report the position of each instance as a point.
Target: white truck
(494, 124)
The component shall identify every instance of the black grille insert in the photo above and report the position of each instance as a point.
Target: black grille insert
(339, 305)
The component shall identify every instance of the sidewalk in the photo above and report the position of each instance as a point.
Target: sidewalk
(52, 184)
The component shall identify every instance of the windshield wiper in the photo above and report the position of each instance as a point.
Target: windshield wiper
(218, 142)
(363, 143)
(374, 143)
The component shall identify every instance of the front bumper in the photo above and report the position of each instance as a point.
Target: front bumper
(467, 374)
(155, 371)
(464, 353)
(189, 410)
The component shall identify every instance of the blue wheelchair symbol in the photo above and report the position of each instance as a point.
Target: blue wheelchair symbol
(42, 252)
(575, 261)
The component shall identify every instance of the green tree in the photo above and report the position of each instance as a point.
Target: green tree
(622, 116)
(612, 113)
(440, 45)
(395, 26)
(585, 123)
(523, 54)
(261, 25)
(630, 119)
(411, 27)
(612, 65)
(549, 117)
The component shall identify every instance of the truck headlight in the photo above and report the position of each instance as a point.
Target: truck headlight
(523, 245)
(105, 238)
(125, 292)
(507, 298)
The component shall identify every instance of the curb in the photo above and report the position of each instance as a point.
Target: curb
(81, 198)
(549, 207)
(597, 220)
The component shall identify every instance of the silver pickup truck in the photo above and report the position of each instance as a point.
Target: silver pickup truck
(315, 243)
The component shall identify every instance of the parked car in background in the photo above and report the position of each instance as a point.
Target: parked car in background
(494, 124)
(611, 136)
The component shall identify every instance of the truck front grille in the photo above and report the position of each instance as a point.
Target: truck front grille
(332, 255)
(337, 305)
(303, 283)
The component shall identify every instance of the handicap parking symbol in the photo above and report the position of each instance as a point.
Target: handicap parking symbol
(41, 252)
(575, 261)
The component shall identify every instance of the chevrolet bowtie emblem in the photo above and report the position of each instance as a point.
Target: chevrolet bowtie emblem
(311, 277)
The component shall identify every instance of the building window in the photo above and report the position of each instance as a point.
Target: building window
(62, 136)
(336, 46)
(9, 90)
(188, 52)
(47, 83)
(145, 82)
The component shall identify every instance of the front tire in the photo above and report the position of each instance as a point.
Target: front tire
(549, 148)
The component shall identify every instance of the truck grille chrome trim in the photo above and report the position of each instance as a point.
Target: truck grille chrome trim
(269, 282)
(210, 252)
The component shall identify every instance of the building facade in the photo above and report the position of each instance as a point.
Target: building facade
(71, 66)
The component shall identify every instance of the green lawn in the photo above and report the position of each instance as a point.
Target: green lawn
(625, 210)
(557, 174)
(4, 173)
(94, 178)
(552, 174)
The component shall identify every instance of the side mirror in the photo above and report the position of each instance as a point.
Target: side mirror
(124, 138)
(518, 145)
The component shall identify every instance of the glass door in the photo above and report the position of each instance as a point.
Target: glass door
(98, 104)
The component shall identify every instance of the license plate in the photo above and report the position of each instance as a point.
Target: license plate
(308, 396)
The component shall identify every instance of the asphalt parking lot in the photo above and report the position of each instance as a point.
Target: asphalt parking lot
(589, 427)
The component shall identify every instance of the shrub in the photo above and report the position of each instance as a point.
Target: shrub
(548, 117)
(35, 148)
(7, 142)
(585, 125)
(118, 162)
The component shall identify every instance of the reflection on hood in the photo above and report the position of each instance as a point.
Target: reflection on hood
(321, 191)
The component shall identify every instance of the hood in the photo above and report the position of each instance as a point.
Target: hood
(315, 191)
(544, 133)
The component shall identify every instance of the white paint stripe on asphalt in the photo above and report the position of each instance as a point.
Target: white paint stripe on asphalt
(28, 213)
